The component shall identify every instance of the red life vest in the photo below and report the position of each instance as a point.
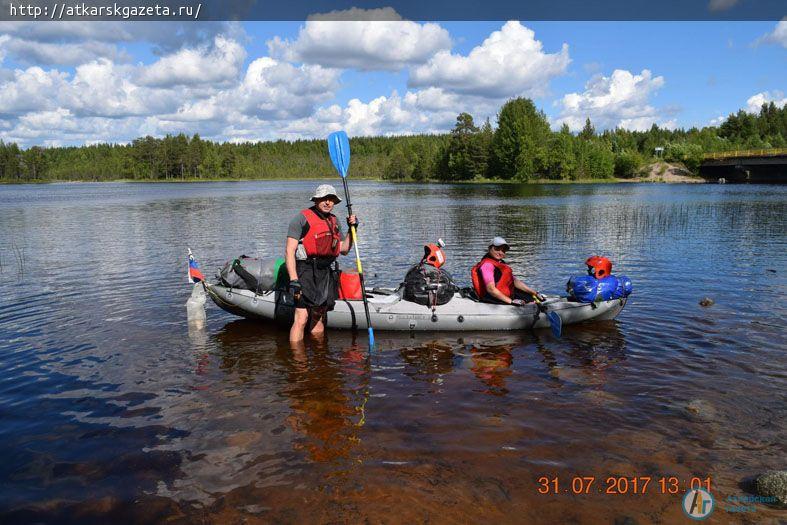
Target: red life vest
(323, 238)
(504, 277)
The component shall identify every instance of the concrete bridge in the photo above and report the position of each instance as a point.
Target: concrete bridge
(764, 165)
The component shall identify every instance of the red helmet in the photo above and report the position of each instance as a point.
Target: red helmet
(599, 267)
(434, 255)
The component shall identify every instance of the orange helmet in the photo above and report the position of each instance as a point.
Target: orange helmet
(599, 267)
(434, 255)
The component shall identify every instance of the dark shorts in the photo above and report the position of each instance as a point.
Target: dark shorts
(319, 283)
(518, 294)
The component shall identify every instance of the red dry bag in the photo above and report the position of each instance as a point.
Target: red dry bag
(350, 286)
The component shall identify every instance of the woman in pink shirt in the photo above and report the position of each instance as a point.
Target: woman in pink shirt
(494, 281)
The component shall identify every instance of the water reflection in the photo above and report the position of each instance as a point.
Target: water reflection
(492, 366)
(326, 394)
(246, 349)
(109, 398)
(585, 355)
(582, 355)
(428, 361)
(321, 391)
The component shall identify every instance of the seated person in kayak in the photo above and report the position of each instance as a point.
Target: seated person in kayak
(494, 281)
(314, 241)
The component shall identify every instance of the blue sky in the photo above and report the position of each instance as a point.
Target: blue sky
(75, 83)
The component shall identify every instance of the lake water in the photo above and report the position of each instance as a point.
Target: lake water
(113, 409)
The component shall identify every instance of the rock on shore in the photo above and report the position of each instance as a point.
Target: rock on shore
(773, 484)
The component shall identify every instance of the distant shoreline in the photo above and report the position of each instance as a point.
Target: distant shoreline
(667, 178)
(672, 180)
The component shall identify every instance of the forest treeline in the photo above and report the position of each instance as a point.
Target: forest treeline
(522, 147)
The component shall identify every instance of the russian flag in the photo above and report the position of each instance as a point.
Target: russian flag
(195, 275)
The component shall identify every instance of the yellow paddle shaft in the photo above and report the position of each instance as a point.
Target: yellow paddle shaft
(357, 254)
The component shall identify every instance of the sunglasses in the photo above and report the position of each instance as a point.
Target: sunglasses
(503, 249)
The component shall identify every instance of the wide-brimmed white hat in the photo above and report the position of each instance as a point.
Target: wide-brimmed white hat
(325, 190)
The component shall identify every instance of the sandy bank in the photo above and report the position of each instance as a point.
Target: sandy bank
(666, 172)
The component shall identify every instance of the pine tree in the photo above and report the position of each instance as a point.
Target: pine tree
(519, 144)
(588, 132)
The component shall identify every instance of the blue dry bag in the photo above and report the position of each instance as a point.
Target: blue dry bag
(583, 288)
(607, 286)
(625, 283)
(588, 289)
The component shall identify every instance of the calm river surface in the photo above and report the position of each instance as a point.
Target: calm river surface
(113, 410)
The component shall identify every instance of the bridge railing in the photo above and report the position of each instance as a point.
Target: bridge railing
(720, 155)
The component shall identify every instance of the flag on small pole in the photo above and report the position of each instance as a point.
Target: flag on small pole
(194, 274)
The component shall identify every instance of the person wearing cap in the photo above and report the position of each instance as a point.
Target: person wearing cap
(314, 241)
(494, 281)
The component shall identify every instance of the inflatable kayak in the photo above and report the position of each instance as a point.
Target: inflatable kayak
(389, 311)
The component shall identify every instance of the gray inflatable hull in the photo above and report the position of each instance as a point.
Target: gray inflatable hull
(390, 312)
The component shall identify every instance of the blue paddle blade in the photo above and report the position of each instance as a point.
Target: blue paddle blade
(371, 337)
(339, 149)
(556, 323)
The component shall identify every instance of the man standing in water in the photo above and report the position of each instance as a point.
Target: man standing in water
(314, 241)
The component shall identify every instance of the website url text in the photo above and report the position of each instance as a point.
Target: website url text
(60, 11)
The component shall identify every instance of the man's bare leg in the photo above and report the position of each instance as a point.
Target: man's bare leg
(298, 349)
(318, 322)
(299, 324)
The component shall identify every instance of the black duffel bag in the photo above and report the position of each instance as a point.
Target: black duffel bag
(249, 273)
(427, 285)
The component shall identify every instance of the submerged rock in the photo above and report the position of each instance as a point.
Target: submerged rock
(773, 484)
(701, 410)
(600, 397)
(707, 301)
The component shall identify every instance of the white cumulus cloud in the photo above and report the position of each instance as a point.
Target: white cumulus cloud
(509, 62)
(428, 111)
(47, 53)
(383, 42)
(96, 89)
(755, 102)
(43, 120)
(60, 127)
(102, 100)
(165, 37)
(270, 90)
(717, 121)
(71, 43)
(777, 36)
(380, 116)
(200, 85)
(383, 115)
(105, 89)
(193, 66)
(619, 100)
(3, 50)
(29, 90)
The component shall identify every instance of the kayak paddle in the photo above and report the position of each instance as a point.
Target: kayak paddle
(339, 149)
(555, 321)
